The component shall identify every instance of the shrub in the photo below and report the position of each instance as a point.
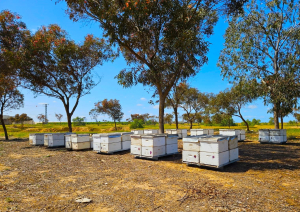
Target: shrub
(78, 121)
(137, 123)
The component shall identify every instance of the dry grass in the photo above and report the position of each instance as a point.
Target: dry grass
(37, 179)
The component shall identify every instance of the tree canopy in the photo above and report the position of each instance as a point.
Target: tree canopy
(57, 67)
(263, 43)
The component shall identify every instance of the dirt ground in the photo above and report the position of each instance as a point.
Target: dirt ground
(267, 178)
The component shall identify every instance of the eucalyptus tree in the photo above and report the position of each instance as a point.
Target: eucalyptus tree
(194, 102)
(231, 101)
(57, 67)
(263, 43)
(175, 98)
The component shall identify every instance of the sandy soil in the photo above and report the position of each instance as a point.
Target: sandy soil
(267, 178)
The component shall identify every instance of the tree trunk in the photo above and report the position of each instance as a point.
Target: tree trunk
(191, 124)
(281, 119)
(276, 121)
(69, 117)
(115, 124)
(3, 125)
(247, 125)
(176, 117)
(162, 100)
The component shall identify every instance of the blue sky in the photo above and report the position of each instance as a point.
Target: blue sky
(36, 13)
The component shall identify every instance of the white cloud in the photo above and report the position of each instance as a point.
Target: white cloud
(139, 105)
(54, 101)
(143, 99)
(252, 106)
(156, 106)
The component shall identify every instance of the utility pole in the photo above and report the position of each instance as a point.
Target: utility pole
(46, 119)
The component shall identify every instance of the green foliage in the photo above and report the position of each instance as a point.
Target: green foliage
(260, 44)
(78, 121)
(169, 118)
(292, 123)
(252, 123)
(271, 120)
(227, 122)
(136, 123)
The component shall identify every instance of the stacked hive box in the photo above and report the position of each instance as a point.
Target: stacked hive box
(138, 132)
(216, 151)
(54, 140)
(195, 132)
(154, 146)
(272, 136)
(111, 142)
(68, 140)
(182, 133)
(233, 132)
(36, 139)
(81, 142)
(150, 131)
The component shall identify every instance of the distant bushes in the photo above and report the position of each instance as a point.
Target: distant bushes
(136, 123)
(78, 121)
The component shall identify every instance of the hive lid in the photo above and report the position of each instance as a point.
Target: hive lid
(167, 135)
(111, 135)
(214, 138)
(126, 133)
(135, 136)
(197, 129)
(194, 138)
(152, 135)
(32, 134)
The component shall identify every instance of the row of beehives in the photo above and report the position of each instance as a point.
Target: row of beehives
(181, 133)
(216, 150)
(272, 136)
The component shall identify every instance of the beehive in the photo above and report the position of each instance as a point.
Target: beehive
(182, 133)
(272, 136)
(138, 132)
(81, 142)
(232, 132)
(150, 131)
(195, 132)
(36, 139)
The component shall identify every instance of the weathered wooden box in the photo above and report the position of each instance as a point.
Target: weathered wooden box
(190, 156)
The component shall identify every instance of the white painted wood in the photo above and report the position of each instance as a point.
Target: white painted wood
(150, 131)
(264, 138)
(136, 149)
(36, 139)
(126, 144)
(199, 132)
(264, 132)
(125, 136)
(191, 146)
(111, 147)
(111, 138)
(171, 148)
(214, 159)
(46, 139)
(216, 147)
(138, 132)
(151, 140)
(190, 156)
(81, 145)
(275, 132)
(136, 140)
(272, 136)
(211, 131)
(171, 140)
(96, 146)
(233, 154)
(56, 143)
(153, 151)
(191, 139)
(184, 135)
(233, 142)
(278, 138)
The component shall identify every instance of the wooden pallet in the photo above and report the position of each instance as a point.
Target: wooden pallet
(212, 166)
(153, 157)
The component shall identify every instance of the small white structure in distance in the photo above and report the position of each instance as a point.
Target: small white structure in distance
(201, 132)
(182, 133)
(36, 139)
(275, 136)
(233, 132)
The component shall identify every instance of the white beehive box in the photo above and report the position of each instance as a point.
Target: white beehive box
(199, 132)
(153, 151)
(138, 132)
(136, 140)
(233, 154)
(171, 148)
(233, 142)
(46, 139)
(125, 136)
(136, 150)
(272, 136)
(182, 133)
(110, 147)
(153, 140)
(96, 142)
(214, 159)
(81, 141)
(125, 145)
(171, 139)
(55, 140)
(233, 132)
(36, 139)
(214, 144)
(264, 135)
(191, 146)
(150, 131)
(111, 138)
(68, 140)
(193, 138)
(56, 143)
(190, 157)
